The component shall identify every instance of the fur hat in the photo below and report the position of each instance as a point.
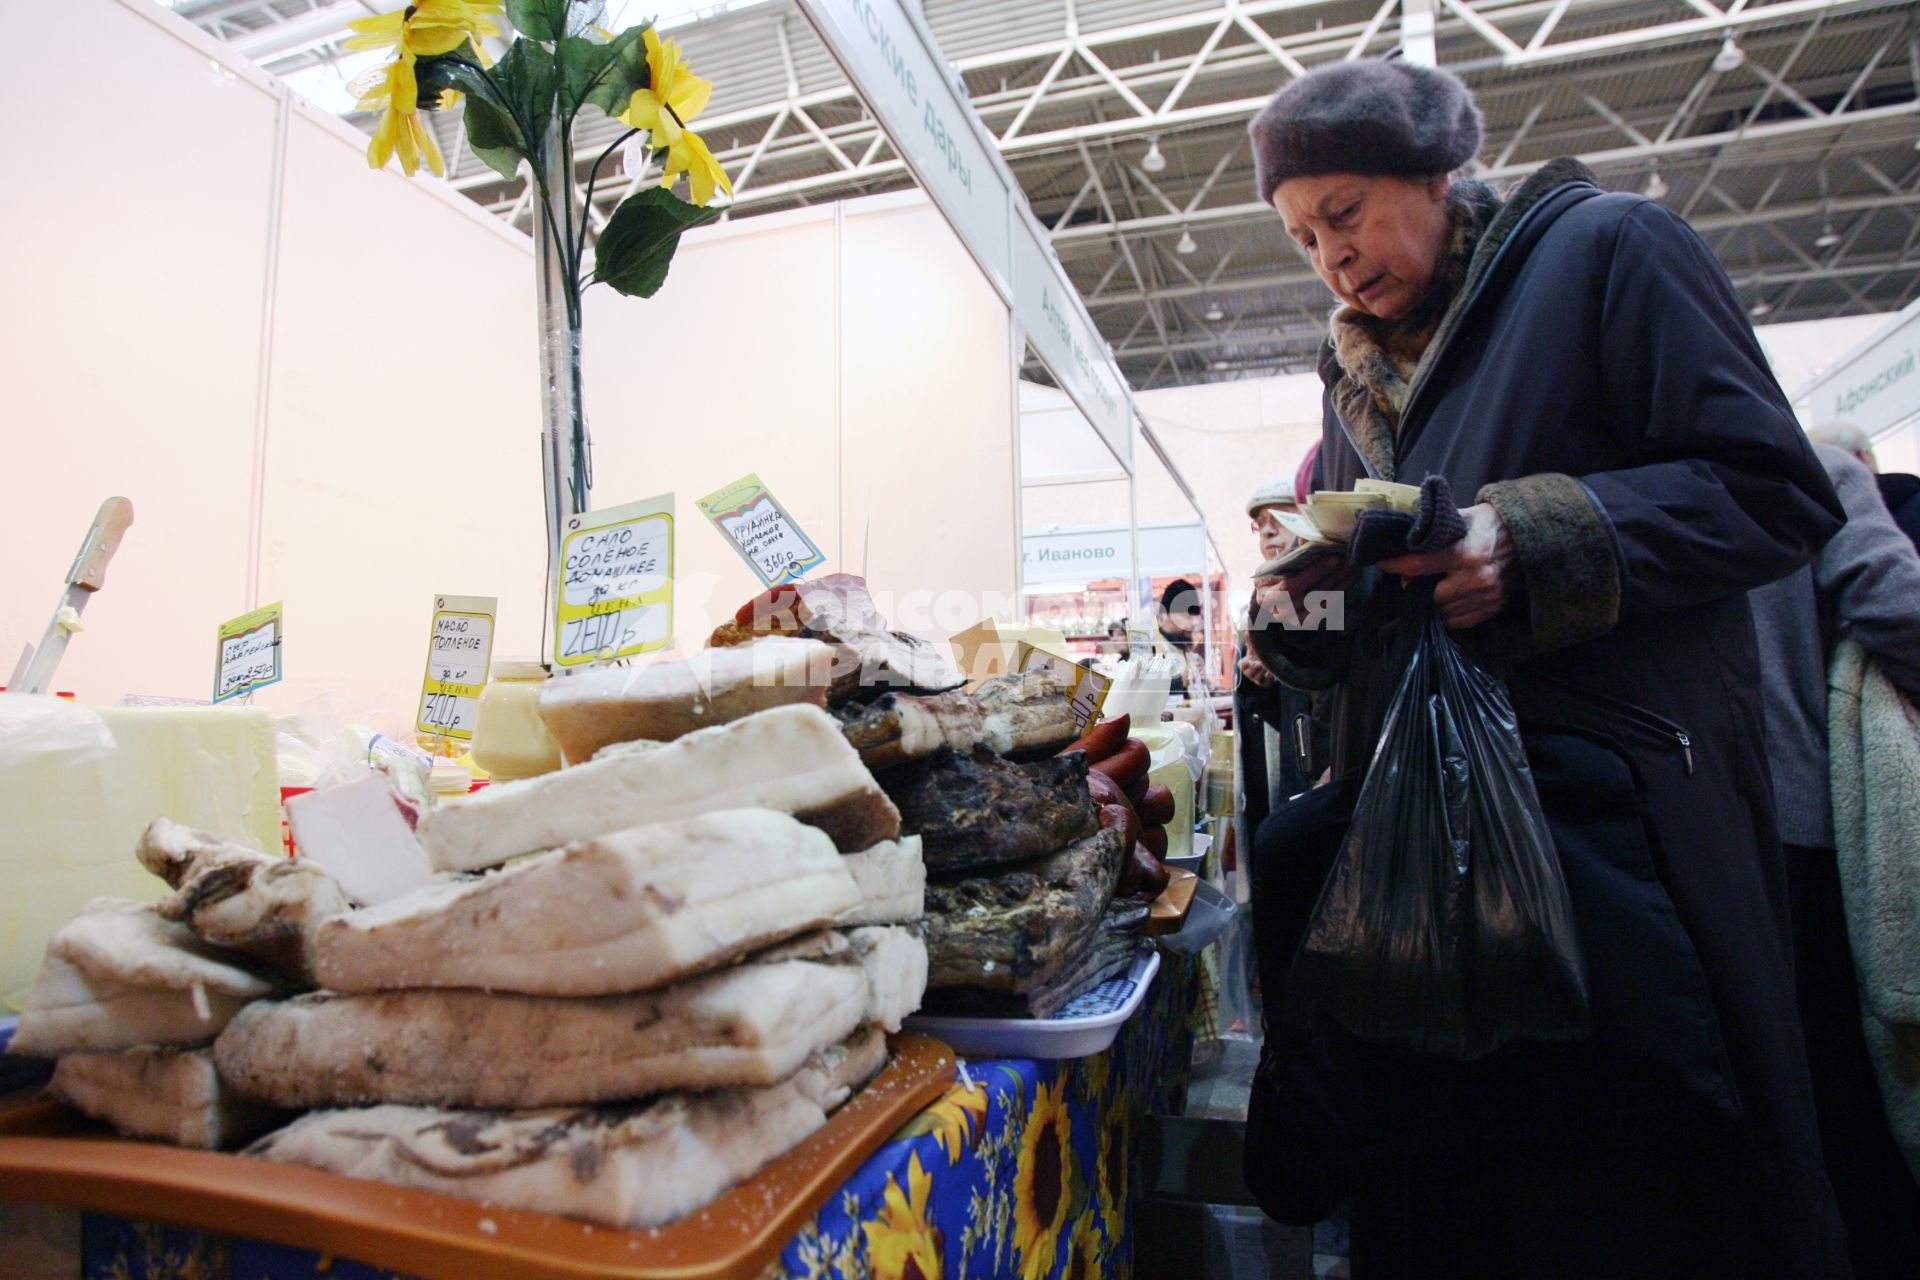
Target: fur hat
(1277, 492)
(1371, 115)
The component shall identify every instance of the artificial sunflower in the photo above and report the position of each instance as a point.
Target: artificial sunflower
(901, 1243)
(395, 93)
(957, 1120)
(673, 96)
(427, 29)
(1116, 1159)
(1040, 1181)
(1083, 1252)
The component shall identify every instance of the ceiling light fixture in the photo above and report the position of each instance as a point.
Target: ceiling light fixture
(1223, 364)
(1828, 237)
(1187, 244)
(1760, 308)
(1656, 187)
(1731, 56)
(1213, 312)
(1153, 161)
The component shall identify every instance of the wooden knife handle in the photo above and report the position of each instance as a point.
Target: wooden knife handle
(109, 526)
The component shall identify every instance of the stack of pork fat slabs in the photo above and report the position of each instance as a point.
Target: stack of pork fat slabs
(699, 968)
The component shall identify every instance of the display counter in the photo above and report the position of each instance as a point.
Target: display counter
(1021, 1159)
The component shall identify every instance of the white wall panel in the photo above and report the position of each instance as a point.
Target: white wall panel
(403, 427)
(132, 259)
(928, 496)
(730, 368)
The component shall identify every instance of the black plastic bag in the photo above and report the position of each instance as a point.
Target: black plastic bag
(1444, 926)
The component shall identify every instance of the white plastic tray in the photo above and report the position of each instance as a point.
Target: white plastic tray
(1088, 1024)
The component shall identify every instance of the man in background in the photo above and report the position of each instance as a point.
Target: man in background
(1865, 585)
(1899, 491)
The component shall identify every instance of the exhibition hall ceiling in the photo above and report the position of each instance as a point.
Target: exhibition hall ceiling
(1785, 131)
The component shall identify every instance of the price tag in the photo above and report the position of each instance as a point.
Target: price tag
(458, 656)
(759, 528)
(1088, 692)
(616, 583)
(248, 655)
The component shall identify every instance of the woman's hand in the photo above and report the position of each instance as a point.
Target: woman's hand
(1476, 572)
(1255, 670)
(1280, 599)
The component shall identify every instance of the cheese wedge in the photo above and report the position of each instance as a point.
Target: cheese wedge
(629, 911)
(632, 1167)
(756, 1023)
(792, 759)
(117, 976)
(174, 1095)
(661, 701)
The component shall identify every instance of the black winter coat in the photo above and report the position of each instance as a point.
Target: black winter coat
(1901, 493)
(1596, 338)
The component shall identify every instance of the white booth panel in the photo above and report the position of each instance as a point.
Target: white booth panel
(732, 367)
(928, 504)
(404, 426)
(132, 259)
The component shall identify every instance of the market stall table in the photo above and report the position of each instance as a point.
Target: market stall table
(1024, 1168)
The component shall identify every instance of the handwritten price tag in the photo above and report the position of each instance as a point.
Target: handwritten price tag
(1088, 688)
(752, 520)
(458, 656)
(616, 583)
(248, 656)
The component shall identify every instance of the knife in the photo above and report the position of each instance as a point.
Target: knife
(88, 575)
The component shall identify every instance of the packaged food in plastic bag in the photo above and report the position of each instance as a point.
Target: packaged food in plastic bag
(1444, 926)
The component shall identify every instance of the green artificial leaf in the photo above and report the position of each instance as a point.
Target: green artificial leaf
(580, 63)
(539, 19)
(637, 247)
(491, 132)
(492, 135)
(458, 70)
(624, 71)
(528, 79)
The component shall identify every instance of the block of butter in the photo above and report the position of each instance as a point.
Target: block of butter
(73, 820)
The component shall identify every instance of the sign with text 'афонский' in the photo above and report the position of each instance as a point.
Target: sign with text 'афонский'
(616, 583)
(248, 654)
(458, 656)
(755, 524)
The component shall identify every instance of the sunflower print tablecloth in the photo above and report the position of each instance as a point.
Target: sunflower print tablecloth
(1024, 1171)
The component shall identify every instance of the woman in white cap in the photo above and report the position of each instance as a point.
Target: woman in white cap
(1578, 368)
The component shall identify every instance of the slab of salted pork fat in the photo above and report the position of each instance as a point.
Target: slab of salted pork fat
(662, 701)
(893, 883)
(117, 975)
(792, 759)
(174, 1095)
(754, 1023)
(629, 911)
(642, 1165)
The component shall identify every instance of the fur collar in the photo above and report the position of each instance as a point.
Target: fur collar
(1369, 366)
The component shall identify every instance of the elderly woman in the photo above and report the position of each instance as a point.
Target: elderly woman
(1576, 363)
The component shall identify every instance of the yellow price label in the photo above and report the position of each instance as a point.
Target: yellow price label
(616, 583)
(248, 656)
(458, 656)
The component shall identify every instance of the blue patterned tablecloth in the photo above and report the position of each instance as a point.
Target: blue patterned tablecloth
(1023, 1171)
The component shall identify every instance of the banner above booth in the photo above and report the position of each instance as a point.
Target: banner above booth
(1089, 553)
(1876, 386)
(895, 63)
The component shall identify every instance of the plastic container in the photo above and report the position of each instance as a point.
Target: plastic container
(509, 739)
(1087, 1025)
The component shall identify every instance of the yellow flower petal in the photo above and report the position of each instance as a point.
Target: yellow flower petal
(690, 94)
